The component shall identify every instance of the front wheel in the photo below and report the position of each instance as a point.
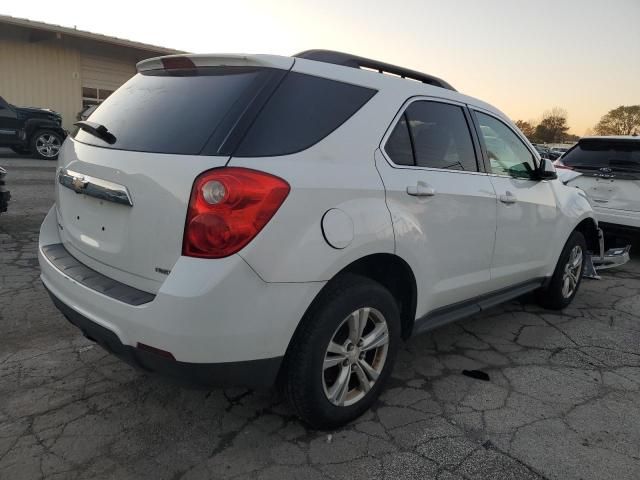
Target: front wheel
(46, 144)
(343, 352)
(567, 276)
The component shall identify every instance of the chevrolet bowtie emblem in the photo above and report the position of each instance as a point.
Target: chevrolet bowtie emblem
(79, 184)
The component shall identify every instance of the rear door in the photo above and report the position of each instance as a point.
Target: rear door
(443, 206)
(122, 201)
(610, 172)
(527, 210)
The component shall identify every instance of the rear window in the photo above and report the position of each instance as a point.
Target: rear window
(175, 111)
(302, 111)
(604, 154)
(213, 110)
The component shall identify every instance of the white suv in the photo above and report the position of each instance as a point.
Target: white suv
(237, 219)
(609, 169)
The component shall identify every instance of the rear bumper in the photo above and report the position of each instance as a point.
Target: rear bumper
(622, 218)
(255, 373)
(206, 312)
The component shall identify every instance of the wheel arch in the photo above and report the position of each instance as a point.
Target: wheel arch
(393, 273)
(33, 126)
(388, 269)
(589, 229)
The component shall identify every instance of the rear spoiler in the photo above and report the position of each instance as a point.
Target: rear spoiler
(169, 62)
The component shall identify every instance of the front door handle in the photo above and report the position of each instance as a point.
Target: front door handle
(422, 189)
(508, 197)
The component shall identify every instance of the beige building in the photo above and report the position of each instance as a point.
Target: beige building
(64, 69)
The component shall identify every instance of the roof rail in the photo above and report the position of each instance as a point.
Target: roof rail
(353, 61)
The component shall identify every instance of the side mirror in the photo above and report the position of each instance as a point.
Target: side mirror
(547, 170)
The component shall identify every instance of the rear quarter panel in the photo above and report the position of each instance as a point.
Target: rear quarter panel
(338, 172)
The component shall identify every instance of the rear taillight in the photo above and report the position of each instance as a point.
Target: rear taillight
(559, 164)
(227, 209)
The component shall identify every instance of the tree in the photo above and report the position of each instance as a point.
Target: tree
(553, 127)
(620, 121)
(526, 128)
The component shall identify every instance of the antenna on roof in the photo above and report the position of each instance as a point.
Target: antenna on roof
(353, 61)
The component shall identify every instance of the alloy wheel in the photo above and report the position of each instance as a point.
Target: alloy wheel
(572, 271)
(355, 356)
(48, 145)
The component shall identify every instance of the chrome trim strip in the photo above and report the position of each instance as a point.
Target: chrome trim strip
(94, 187)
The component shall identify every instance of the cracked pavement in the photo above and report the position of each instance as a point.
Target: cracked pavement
(563, 399)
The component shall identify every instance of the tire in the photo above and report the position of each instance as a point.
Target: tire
(46, 144)
(21, 150)
(561, 290)
(308, 385)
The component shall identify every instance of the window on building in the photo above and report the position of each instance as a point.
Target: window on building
(94, 96)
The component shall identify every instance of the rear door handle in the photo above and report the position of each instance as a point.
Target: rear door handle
(508, 198)
(422, 189)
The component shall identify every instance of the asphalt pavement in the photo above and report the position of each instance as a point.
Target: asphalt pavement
(562, 400)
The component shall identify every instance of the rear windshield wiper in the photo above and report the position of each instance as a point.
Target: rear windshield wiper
(97, 130)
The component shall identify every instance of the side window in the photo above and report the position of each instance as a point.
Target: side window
(398, 146)
(301, 112)
(441, 137)
(507, 154)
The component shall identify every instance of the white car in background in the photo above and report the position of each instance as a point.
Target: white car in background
(609, 173)
(242, 219)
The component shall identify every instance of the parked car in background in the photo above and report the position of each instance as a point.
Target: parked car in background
(546, 152)
(542, 150)
(35, 131)
(610, 176)
(559, 150)
(5, 196)
(246, 219)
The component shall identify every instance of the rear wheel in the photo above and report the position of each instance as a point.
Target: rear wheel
(343, 352)
(567, 276)
(46, 144)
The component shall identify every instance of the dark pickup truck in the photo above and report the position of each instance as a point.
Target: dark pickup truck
(4, 193)
(35, 131)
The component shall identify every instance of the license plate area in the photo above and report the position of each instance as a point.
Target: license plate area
(93, 224)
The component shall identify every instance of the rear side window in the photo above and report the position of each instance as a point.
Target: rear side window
(434, 135)
(398, 145)
(595, 154)
(441, 137)
(302, 111)
(175, 111)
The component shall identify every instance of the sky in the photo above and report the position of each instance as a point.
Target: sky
(524, 57)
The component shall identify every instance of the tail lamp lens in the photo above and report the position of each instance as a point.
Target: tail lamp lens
(560, 164)
(228, 208)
